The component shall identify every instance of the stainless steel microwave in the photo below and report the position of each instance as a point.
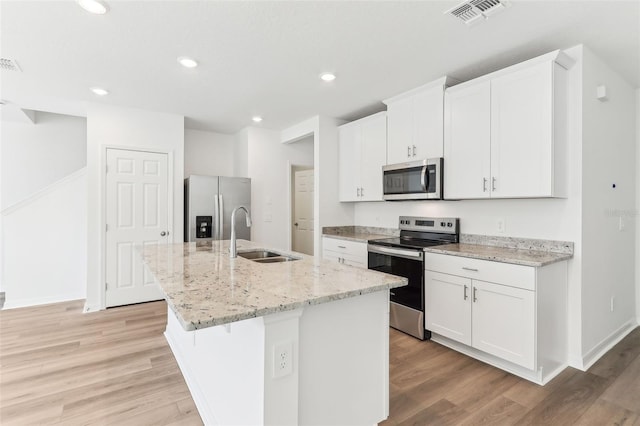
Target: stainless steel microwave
(416, 180)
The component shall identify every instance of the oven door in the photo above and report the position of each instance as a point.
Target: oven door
(407, 303)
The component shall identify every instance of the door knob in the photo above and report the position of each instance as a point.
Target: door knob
(162, 234)
(295, 224)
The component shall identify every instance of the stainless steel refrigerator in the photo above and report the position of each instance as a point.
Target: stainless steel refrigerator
(208, 203)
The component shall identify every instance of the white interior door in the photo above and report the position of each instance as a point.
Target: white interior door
(303, 212)
(137, 215)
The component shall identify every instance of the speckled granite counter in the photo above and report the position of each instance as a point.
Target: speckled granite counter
(360, 234)
(501, 254)
(205, 287)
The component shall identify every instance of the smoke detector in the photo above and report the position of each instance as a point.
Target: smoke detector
(9, 65)
(473, 11)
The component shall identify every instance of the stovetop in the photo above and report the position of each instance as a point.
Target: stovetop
(420, 232)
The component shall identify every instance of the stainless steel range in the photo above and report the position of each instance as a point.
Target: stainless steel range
(404, 256)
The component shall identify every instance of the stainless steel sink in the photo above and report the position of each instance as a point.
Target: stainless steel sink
(258, 254)
(275, 259)
(266, 256)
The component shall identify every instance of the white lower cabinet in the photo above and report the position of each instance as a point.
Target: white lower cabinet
(513, 317)
(350, 253)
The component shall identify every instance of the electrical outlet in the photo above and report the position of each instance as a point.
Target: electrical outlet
(501, 224)
(282, 359)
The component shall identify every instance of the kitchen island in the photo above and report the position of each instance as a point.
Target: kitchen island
(297, 342)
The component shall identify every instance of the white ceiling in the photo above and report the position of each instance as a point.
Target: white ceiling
(264, 58)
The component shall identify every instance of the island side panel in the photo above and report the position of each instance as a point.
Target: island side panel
(224, 369)
(344, 361)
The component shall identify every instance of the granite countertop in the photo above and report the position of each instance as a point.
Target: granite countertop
(205, 287)
(360, 234)
(518, 256)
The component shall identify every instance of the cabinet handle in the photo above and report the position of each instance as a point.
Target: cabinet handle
(493, 184)
(362, 192)
(475, 299)
(469, 269)
(465, 292)
(342, 247)
(484, 184)
(408, 151)
(358, 191)
(414, 150)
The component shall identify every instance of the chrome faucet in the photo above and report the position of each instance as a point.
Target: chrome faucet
(233, 250)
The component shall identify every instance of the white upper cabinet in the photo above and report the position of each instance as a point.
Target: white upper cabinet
(362, 153)
(415, 121)
(505, 133)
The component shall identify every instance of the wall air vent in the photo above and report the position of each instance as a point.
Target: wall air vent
(473, 11)
(9, 65)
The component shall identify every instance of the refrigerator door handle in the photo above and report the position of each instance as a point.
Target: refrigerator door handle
(216, 212)
(221, 216)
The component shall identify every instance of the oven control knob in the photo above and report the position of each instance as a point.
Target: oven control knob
(450, 225)
(442, 224)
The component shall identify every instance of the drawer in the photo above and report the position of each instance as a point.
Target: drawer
(344, 246)
(495, 272)
(348, 258)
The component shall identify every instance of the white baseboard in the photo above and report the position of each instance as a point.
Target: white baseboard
(89, 307)
(24, 303)
(609, 342)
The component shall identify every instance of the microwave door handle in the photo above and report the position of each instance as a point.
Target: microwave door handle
(423, 178)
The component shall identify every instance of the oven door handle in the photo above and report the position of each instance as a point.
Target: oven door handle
(407, 254)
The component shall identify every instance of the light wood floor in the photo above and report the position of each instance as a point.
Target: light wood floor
(59, 366)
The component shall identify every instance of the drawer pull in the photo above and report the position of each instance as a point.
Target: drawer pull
(469, 269)
(465, 292)
(342, 247)
(475, 298)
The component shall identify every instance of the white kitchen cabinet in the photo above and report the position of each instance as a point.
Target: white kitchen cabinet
(352, 253)
(511, 316)
(361, 155)
(505, 133)
(415, 123)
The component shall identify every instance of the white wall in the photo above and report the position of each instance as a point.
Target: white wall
(45, 245)
(637, 212)
(608, 254)
(37, 155)
(127, 128)
(208, 153)
(241, 153)
(268, 167)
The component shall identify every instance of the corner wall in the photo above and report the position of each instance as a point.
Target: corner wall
(608, 201)
(126, 128)
(268, 168)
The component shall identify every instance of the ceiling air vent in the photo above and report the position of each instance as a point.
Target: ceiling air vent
(473, 11)
(9, 65)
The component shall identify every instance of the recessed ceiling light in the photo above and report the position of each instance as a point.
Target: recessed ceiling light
(187, 62)
(97, 7)
(257, 119)
(99, 91)
(327, 76)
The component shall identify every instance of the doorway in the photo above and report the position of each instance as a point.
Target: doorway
(137, 214)
(302, 218)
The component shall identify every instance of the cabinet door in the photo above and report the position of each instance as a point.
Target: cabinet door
(400, 131)
(467, 141)
(522, 133)
(373, 156)
(448, 306)
(503, 321)
(349, 162)
(428, 110)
